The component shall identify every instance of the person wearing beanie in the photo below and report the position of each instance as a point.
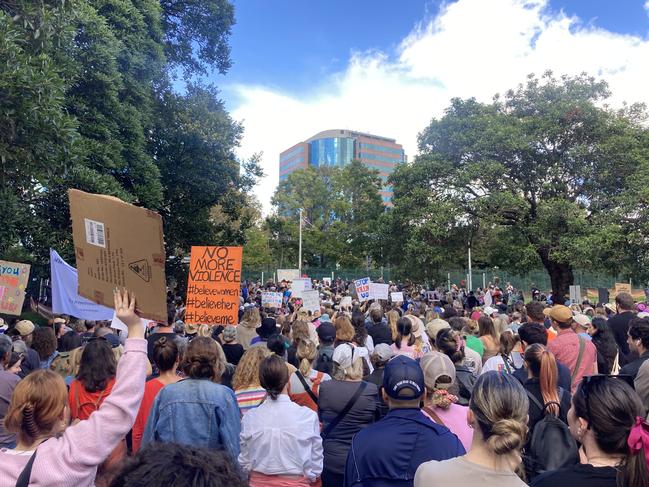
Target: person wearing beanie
(232, 349)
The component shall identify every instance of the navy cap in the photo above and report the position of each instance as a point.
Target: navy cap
(403, 378)
(326, 332)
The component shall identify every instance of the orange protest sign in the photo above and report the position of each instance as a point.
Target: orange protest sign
(213, 285)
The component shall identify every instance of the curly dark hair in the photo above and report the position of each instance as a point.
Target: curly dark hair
(97, 365)
(178, 465)
(44, 341)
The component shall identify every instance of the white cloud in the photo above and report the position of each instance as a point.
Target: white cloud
(646, 6)
(471, 48)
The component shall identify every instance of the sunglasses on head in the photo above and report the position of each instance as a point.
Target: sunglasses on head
(589, 381)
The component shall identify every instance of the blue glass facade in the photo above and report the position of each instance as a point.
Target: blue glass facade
(331, 151)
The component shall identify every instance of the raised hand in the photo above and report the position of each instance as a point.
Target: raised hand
(125, 311)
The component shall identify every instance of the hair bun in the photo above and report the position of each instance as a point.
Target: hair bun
(507, 435)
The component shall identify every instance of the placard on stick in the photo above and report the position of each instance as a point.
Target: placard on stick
(119, 245)
(213, 285)
(13, 281)
(362, 288)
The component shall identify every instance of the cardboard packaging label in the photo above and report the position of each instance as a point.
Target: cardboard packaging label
(119, 244)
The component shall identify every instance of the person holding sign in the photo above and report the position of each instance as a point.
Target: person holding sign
(49, 451)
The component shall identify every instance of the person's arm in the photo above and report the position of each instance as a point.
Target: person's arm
(313, 469)
(244, 441)
(149, 432)
(229, 420)
(89, 442)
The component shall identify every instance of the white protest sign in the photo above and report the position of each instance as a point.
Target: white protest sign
(298, 286)
(311, 300)
(575, 294)
(487, 298)
(271, 300)
(346, 301)
(378, 290)
(396, 297)
(326, 281)
(363, 288)
(287, 274)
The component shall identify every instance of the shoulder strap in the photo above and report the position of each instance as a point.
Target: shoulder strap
(25, 475)
(306, 386)
(535, 400)
(431, 412)
(582, 345)
(350, 404)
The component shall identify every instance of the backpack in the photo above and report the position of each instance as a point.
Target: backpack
(324, 362)
(551, 446)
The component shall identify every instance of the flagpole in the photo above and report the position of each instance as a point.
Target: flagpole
(299, 262)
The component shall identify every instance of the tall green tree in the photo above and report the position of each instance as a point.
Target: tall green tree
(539, 175)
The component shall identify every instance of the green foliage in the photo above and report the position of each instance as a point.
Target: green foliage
(538, 177)
(340, 208)
(85, 102)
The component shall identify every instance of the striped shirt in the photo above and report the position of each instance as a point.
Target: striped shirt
(249, 398)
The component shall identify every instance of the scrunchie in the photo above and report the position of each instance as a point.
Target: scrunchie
(443, 399)
(639, 438)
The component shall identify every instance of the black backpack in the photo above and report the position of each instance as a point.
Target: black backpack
(324, 362)
(551, 446)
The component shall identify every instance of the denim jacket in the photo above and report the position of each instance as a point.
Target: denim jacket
(195, 412)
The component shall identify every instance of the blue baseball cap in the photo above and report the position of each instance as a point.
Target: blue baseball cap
(403, 378)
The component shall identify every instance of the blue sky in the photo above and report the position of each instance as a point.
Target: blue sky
(388, 67)
(292, 45)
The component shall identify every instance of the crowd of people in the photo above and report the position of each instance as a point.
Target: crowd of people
(446, 386)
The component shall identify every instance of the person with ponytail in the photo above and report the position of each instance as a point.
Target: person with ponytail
(166, 357)
(498, 416)
(304, 383)
(197, 411)
(440, 404)
(541, 383)
(606, 418)
(280, 440)
(49, 452)
(406, 341)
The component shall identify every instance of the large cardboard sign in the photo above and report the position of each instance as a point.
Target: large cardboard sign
(119, 245)
(311, 300)
(287, 274)
(363, 289)
(622, 287)
(14, 277)
(346, 302)
(213, 285)
(378, 290)
(575, 294)
(271, 300)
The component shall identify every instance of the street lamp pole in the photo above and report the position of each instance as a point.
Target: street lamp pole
(299, 262)
(470, 283)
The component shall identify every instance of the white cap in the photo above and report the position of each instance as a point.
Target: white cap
(582, 320)
(489, 310)
(343, 354)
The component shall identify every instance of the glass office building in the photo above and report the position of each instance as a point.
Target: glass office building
(340, 147)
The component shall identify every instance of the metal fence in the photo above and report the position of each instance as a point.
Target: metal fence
(538, 278)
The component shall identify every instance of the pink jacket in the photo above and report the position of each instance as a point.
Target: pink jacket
(72, 459)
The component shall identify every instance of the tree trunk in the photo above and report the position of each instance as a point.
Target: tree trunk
(561, 276)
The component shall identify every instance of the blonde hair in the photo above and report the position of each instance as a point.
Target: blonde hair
(306, 354)
(393, 317)
(344, 329)
(353, 372)
(500, 406)
(251, 315)
(247, 373)
(204, 331)
(37, 406)
(299, 331)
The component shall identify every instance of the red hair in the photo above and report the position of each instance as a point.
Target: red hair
(544, 367)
